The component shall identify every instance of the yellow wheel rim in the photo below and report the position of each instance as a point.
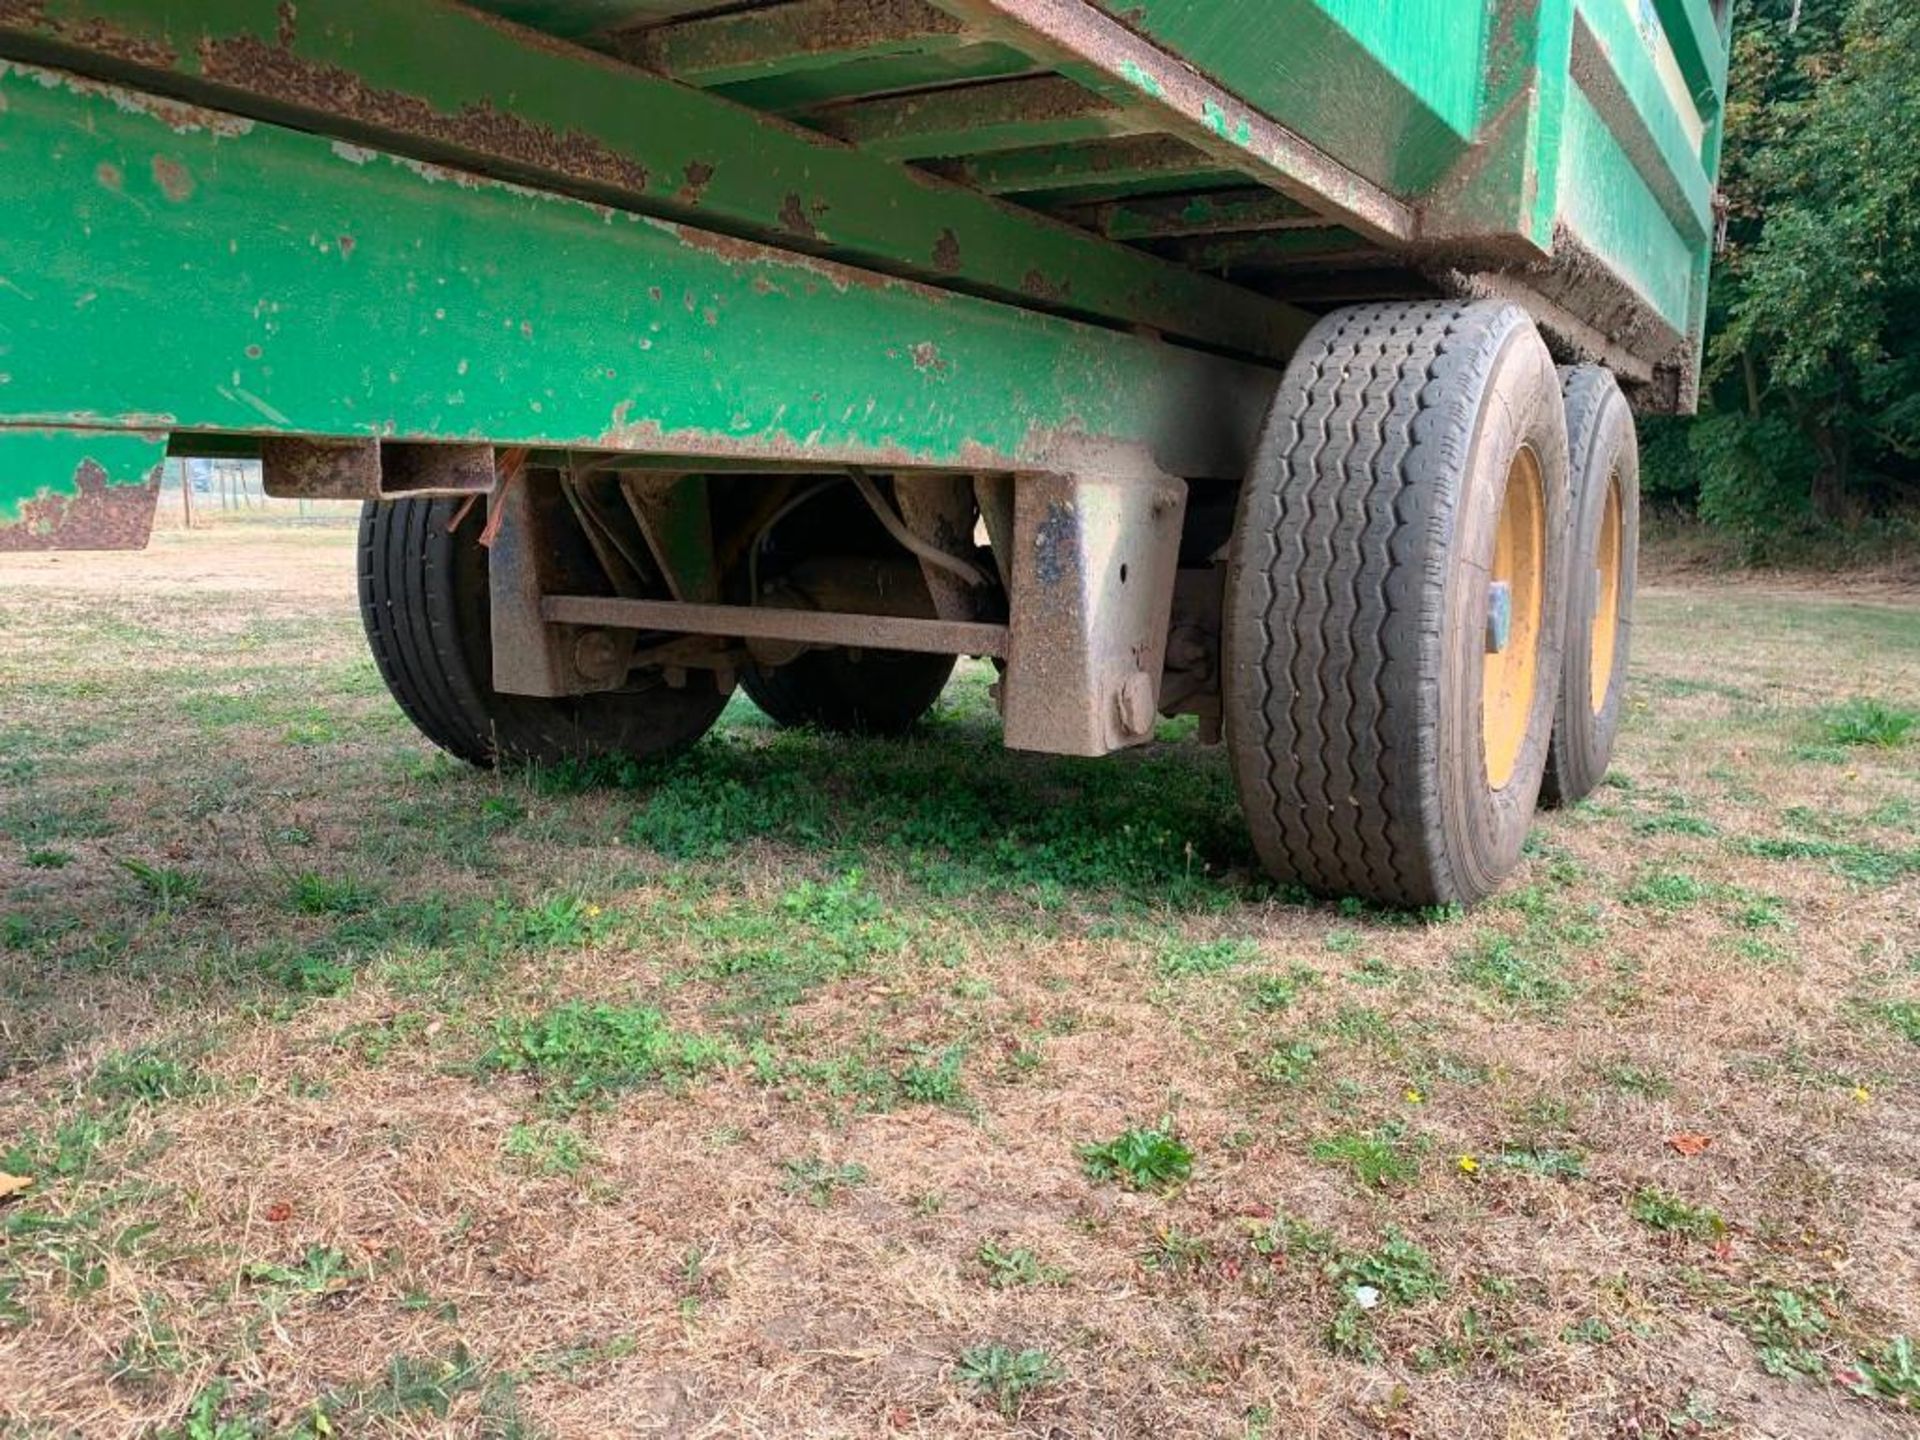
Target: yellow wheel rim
(1606, 601)
(1515, 603)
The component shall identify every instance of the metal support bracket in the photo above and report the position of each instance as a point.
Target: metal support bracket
(1093, 561)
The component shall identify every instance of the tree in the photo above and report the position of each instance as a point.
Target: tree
(1812, 372)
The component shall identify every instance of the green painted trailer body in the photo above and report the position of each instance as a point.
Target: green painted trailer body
(965, 234)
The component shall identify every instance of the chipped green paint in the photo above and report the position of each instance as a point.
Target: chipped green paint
(67, 489)
(378, 296)
(1141, 79)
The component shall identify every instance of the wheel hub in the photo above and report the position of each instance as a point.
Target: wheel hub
(1516, 589)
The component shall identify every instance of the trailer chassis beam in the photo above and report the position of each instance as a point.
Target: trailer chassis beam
(171, 270)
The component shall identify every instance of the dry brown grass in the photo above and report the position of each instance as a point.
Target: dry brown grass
(197, 1109)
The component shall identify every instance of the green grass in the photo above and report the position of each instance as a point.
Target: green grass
(1659, 1210)
(1140, 1158)
(1864, 864)
(327, 895)
(1180, 959)
(1516, 970)
(582, 1052)
(1902, 1017)
(818, 1180)
(165, 888)
(545, 1148)
(1379, 1159)
(145, 1077)
(788, 1047)
(1664, 888)
(1865, 721)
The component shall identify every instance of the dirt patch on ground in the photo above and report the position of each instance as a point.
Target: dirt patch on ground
(312, 563)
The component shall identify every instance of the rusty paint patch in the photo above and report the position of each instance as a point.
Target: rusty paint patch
(795, 220)
(480, 129)
(699, 174)
(99, 516)
(286, 31)
(173, 178)
(926, 357)
(1040, 287)
(95, 35)
(946, 253)
(748, 252)
(110, 176)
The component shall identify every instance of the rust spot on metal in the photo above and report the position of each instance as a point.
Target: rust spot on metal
(297, 469)
(94, 35)
(286, 32)
(110, 176)
(698, 175)
(795, 220)
(480, 130)
(1039, 286)
(173, 178)
(253, 352)
(347, 242)
(946, 252)
(101, 516)
(926, 357)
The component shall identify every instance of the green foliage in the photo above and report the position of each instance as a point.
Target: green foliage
(547, 1149)
(1812, 406)
(205, 1419)
(818, 1180)
(1016, 1266)
(581, 1052)
(1658, 1210)
(145, 1077)
(1903, 1016)
(1182, 958)
(319, 1271)
(935, 1080)
(1659, 888)
(1378, 1159)
(1787, 1329)
(1893, 1374)
(163, 887)
(323, 895)
(1141, 1159)
(1866, 721)
(1399, 1272)
(1007, 1376)
(1520, 971)
(1288, 1063)
(1549, 1163)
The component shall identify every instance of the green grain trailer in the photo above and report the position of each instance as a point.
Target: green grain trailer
(1272, 362)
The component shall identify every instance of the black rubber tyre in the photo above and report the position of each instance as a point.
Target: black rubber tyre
(423, 599)
(1404, 440)
(1604, 452)
(882, 692)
